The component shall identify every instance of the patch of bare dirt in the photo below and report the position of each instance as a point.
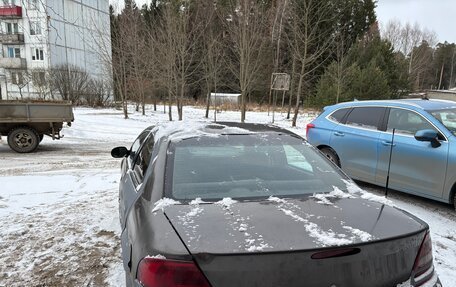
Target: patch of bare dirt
(59, 245)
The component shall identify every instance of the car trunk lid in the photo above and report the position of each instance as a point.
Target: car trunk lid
(288, 242)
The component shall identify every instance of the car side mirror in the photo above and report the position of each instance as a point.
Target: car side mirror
(428, 136)
(120, 152)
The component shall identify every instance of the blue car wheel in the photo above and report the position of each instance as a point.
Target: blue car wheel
(331, 155)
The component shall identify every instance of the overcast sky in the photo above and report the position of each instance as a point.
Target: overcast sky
(436, 15)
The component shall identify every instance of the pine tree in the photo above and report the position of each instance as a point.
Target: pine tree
(371, 71)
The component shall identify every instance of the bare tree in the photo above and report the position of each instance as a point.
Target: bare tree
(420, 65)
(177, 37)
(138, 55)
(99, 93)
(340, 74)
(71, 82)
(452, 79)
(120, 63)
(309, 40)
(276, 39)
(166, 55)
(392, 31)
(212, 53)
(212, 63)
(414, 42)
(21, 79)
(42, 82)
(292, 86)
(246, 27)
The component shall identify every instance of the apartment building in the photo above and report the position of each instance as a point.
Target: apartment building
(38, 37)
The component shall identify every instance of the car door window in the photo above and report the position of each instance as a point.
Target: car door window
(407, 122)
(136, 146)
(142, 161)
(338, 115)
(447, 118)
(366, 117)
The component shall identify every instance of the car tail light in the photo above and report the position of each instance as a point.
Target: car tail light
(309, 126)
(154, 272)
(423, 269)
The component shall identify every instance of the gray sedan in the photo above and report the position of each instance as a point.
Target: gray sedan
(254, 205)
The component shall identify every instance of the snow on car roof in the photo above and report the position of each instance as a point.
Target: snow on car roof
(183, 130)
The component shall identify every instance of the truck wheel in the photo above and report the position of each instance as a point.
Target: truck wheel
(331, 155)
(23, 139)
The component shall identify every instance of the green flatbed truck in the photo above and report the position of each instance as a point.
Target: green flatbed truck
(26, 123)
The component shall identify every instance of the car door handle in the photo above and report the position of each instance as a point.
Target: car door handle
(388, 143)
(339, 134)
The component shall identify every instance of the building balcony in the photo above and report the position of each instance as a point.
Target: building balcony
(10, 12)
(13, 63)
(12, 38)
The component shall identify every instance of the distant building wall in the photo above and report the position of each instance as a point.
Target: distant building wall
(37, 36)
(222, 98)
(86, 41)
(442, 95)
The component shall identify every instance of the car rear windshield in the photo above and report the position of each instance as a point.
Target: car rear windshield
(447, 117)
(247, 167)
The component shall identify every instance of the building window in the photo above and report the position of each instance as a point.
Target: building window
(37, 54)
(17, 78)
(14, 52)
(35, 28)
(12, 28)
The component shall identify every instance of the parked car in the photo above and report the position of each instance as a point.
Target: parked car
(229, 204)
(358, 137)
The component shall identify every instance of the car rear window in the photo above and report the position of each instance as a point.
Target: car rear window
(366, 117)
(247, 166)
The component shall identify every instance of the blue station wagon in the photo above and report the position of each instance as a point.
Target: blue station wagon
(358, 137)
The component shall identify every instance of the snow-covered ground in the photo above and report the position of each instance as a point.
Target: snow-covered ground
(58, 207)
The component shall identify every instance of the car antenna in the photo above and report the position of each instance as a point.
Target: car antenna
(389, 164)
(378, 218)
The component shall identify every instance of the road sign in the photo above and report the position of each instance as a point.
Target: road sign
(280, 82)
